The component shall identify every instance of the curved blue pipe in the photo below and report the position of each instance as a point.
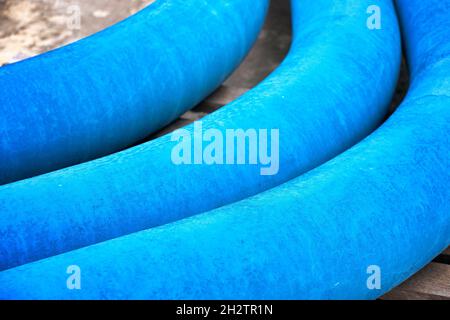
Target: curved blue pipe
(110, 90)
(333, 89)
(383, 206)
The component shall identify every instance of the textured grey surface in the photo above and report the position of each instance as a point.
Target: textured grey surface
(30, 27)
(272, 46)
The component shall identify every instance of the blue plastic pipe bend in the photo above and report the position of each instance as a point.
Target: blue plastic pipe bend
(383, 205)
(106, 92)
(333, 89)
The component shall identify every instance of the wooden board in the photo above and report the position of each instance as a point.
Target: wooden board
(222, 96)
(447, 252)
(431, 283)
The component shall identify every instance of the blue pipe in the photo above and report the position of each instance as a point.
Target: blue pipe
(108, 91)
(333, 89)
(383, 206)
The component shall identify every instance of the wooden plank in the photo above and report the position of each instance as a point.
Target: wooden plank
(222, 96)
(431, 283)
(168, 129)
(446, 252)
(444, 257)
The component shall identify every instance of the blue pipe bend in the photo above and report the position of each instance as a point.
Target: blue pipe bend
(328, 94)
(382, 204)
(108, 91)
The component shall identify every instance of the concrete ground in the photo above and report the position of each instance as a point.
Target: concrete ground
(30, 27)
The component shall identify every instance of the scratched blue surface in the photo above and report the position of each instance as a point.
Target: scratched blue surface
(328, 94)
(108, 91)
(384, 202)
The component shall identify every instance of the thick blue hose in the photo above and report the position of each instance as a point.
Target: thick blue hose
(333, 89)
(383, 204)
(106, 92)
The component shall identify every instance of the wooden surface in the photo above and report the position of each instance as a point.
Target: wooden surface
(447, 252)
(431, 283)
(220, 98)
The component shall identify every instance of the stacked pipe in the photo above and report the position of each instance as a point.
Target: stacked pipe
(328, 94)
(111, 90)
(383, 203)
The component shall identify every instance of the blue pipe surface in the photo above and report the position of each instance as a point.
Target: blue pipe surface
(108, 91)
(383, 205)
(332, 90)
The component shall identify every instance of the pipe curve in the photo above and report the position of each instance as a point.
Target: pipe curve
(329, 93)
(384, 203)
(110, 90)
